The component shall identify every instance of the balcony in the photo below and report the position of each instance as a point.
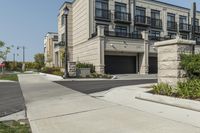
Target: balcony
(171, 26)
(156, 23)
(102, 15)
(197, 29)
(142, 20)
(183, 27)
(123, 34)
(122, 17)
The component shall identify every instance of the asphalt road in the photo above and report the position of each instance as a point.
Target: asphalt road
(88, 87)
(11, 98)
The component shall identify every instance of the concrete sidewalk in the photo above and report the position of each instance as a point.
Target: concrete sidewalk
(52, 108)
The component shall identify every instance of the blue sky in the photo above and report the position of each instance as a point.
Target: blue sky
(25, 23)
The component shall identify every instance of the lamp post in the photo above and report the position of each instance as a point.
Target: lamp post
(66, 11)
(23, 65)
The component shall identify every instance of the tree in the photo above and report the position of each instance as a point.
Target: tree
(4, 50)
(39, 59)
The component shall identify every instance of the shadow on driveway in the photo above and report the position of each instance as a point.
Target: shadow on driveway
(88, 87)
(11, 98)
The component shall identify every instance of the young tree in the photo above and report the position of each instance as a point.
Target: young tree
(39, 59)
(4, 50)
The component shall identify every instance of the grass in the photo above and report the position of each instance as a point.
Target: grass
(14, 127)
(12, 77)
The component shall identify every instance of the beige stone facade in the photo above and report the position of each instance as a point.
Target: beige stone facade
(49, 43)
(107, 33)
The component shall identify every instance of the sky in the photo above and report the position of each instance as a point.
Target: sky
(25, 23)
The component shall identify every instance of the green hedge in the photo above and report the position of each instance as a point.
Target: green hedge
(191, 64)
(86, 65)
(52, 70)
(17, 66)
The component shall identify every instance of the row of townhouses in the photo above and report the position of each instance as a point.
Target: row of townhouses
(107, 33)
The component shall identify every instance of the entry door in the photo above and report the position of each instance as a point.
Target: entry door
(120, 64)
(153, 65)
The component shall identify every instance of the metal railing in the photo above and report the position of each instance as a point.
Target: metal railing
(132, 35)
(156, 23)
(122, 17)
(142, 20)
(102, 14)
(172, 26)
(184, 27)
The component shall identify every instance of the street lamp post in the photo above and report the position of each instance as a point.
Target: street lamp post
(23, 65)
(66, 11)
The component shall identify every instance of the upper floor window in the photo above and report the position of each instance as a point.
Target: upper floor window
(155, 33)
(140, 11)
(121, 30)
(63, 37)
(155, 14)
(102, 4)
(196, 22)
(182, 19)
(62, 20)
(120, 7)
(170, 17)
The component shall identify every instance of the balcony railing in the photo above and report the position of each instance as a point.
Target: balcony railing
(197, 29)
(122, 17)
(123, 34)
(183, 27)
(142, 20)
(102, 14)
(156, 23)
(172, 26)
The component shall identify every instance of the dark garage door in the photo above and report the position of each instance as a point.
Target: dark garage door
(153, 65)
(120, 64)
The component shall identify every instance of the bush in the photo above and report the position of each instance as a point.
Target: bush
(163, 89)
(189, 89)
(52, 70)
(86, 65)
(191, 64)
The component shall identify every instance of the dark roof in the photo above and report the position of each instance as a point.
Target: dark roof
(66, 2)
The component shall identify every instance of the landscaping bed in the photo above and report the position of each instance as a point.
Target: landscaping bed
(15, 127)
(12, 77)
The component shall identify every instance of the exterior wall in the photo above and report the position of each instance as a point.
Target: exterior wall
(80, 21)
(49, 42)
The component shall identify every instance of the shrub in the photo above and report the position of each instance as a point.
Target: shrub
(52, 70)
(163, 89)
(189, 89)
(191, 64)
(86, 65)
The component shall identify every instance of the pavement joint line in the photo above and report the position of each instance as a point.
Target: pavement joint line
(79, 112)
(133, 108)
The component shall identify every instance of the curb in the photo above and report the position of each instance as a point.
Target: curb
(171, 101)
(51, 75)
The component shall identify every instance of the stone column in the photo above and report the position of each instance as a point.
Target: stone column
(144, 67)
(100, 33)
(169, 52)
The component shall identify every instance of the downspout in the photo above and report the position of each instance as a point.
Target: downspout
(129, 10)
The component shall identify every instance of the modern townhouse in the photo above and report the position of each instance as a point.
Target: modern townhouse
(51, 54)
(107, 33)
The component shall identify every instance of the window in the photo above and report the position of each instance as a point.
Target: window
(62, 20)
(182, 19)
(120, 7)
(171, 34)
(63, 37)
(155, 14)
(155, 33)
(121, 30)
(140, 30)
(102, 9)
(140, 11)
(184, 36)
(102, 4)
(197, 22)
(170, 17)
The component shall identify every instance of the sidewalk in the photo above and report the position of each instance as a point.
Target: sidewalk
(52, 108)
(126, 96)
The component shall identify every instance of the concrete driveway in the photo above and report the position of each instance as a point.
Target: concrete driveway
(93, 86)
(52, 108)
(11, 98)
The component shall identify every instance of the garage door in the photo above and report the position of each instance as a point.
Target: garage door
(120, 64)
(153, 65)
